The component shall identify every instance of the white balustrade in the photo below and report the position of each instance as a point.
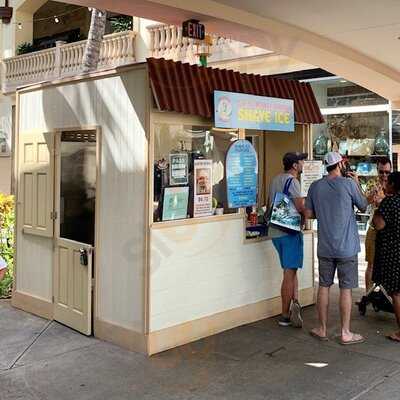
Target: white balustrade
(167, 42)
(65, 60)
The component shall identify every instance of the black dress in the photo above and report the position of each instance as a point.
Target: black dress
(387, 251)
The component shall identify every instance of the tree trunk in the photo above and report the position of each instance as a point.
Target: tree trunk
(95, 36)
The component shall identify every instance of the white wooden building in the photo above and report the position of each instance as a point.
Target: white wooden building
(89, 251)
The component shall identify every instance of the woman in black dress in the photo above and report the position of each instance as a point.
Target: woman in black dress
(387, 253)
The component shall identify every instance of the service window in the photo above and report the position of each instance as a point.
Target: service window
(189, 171)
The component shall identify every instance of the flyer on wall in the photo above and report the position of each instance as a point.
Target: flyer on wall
(202, 201)
(312, 171)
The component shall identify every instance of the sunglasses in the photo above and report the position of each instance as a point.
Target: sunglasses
(384, 172)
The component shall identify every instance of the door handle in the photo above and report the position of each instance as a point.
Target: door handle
(83, 257)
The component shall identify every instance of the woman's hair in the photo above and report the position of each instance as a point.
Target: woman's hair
(394, 179)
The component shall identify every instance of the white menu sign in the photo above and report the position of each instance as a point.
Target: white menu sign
(202, 206)
(312, 171)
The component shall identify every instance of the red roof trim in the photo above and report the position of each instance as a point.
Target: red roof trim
(189, 89)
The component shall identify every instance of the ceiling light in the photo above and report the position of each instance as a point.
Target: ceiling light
(343, 81)
(90, 9)
(56, 19)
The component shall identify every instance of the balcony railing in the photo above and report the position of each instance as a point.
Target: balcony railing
(167, 42)
(65, 60)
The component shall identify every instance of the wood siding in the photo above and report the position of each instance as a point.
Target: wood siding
(200, 270)
(116, 104)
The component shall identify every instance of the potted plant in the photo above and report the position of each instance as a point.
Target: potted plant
(121, 23)
(24, 48)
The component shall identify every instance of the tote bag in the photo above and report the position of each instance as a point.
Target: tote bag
(283, 211)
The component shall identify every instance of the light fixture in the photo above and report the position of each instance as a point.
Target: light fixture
(90, 9)
(343, 81)
(6, 13)
(56, 19)
(19, 25)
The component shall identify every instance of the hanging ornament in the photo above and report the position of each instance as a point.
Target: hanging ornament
(6, 13)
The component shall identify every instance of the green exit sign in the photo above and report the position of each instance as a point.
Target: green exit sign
(193, 29)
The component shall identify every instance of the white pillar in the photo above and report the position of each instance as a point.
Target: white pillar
(142, 44)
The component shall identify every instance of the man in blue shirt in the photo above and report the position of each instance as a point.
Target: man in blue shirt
(331, 200)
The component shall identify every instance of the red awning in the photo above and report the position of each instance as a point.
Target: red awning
(188, 89)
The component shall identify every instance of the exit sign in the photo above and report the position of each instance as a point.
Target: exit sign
(193, 29)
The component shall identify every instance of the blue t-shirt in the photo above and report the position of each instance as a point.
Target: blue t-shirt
(332, 201)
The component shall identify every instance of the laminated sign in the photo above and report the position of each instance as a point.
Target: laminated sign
(202, 206)
(241, 174)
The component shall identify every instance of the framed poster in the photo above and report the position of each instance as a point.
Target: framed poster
(175, 203)
(202, 200)
(241, 174)
(312, 171)
(178, 169)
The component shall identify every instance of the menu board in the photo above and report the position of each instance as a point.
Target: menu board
(202, 206)
(178, 169)
(175, 203)
(312, 171)
(241, 174)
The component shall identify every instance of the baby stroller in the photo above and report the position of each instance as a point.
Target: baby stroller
(378, 297)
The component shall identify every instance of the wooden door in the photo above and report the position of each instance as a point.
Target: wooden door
(75, 199)
(73, 285)
(36, 183)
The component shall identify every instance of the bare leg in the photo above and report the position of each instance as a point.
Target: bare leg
(345, 310)
(345, 316)
(322, 309)
(287, 290)
(296, 288)
(2, 273)
(396, 306)
(368, 276)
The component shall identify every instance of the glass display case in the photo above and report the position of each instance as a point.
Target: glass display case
(358, 124)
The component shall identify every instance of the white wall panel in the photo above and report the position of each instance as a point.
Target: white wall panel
(200, 270)
(117, 105)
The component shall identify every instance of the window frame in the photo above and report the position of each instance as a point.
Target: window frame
(172, 118)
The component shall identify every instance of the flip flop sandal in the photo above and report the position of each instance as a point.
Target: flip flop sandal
(321, 338)
(354, 341)
(393, 338)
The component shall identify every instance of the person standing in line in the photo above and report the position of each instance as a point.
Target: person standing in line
(289, 245)
(387, 259)
(374, 196)
(331, 201)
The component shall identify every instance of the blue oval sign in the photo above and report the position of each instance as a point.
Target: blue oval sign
(241, 174)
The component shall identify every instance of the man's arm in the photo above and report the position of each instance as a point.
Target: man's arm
(309, 204)
(299, 203)
(359, 200)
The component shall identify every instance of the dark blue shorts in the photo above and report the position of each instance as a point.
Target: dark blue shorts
(290, 249)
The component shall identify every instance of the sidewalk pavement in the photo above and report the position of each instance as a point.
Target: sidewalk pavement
(45, 360)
